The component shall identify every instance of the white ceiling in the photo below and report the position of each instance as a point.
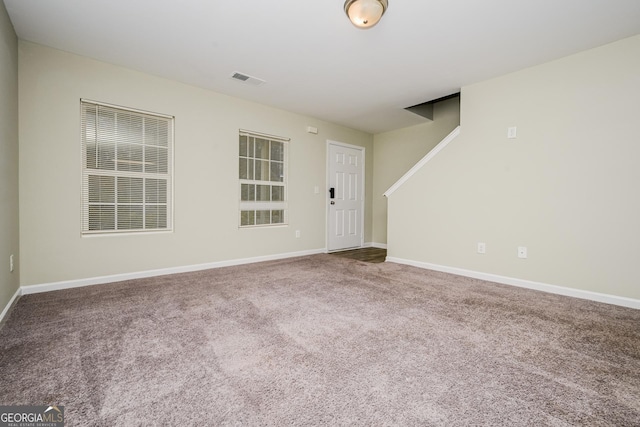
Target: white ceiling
(314, 61)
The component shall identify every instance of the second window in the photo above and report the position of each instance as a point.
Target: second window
(263, 179)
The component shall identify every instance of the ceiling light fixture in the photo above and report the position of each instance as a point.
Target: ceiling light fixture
(365, 13)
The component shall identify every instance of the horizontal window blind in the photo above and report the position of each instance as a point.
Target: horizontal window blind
(262, 179)
(126, 169)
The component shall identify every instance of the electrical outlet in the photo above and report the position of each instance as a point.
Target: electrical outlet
(512, 132)
(297, 234)
(522, 252)
(482, 248)
(11, 263)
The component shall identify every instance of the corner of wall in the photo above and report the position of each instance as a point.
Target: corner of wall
(9, 218)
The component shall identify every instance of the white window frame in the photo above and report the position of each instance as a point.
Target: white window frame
(271, 206)
(86, 138)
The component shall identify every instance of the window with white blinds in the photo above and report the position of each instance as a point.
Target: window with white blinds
(127, 158)
(263, 179)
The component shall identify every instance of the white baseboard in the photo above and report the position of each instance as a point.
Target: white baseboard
(10, 303)
(554, 289)
(545, 287)
(68, 284)
(375, 245)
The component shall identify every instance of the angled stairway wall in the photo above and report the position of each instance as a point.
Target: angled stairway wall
(395, 152)
(565, 188)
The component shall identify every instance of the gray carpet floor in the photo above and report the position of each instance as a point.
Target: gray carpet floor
(322, 340)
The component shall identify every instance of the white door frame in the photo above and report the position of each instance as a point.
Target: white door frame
(327, 200)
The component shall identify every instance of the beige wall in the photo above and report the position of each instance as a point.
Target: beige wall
(567, 187)
(9, 230)
(206, 188)
(398, 151)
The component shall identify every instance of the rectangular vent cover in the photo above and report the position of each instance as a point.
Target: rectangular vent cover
(244, 78)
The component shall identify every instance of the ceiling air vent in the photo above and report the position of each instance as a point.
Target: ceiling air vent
(244, 78)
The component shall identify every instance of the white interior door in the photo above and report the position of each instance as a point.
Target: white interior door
(346, 207)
